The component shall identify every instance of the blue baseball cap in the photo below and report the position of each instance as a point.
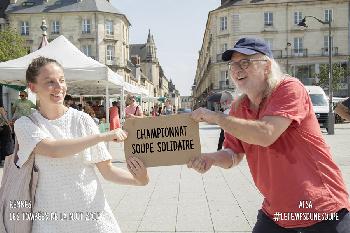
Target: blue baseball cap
(248, 46)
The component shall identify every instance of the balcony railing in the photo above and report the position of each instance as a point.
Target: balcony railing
(112, 61)
(299, 52)
(277, 53)
(325, 52)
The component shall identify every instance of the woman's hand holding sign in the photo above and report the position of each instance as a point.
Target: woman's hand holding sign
(117, 135)
(138, 170)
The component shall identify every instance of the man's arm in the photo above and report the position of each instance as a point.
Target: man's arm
(342, 111)
(262, 132)
(224, 158)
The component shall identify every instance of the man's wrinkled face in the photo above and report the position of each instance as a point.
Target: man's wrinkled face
(248, 72)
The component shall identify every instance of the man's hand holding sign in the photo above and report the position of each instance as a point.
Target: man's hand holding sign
(162, 141)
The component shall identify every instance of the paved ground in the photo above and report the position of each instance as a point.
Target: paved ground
(180, 200)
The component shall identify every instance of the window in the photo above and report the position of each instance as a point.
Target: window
(223, 84)
(55, 27)
(223, 47)
(86, 49)
(24, 28)
(268, 19)
(224, 75)
(328, 15)
(269, 42)
(110, 53)
(86, 26)
(223, 23)
(298, 16)
(326, 44)
(235, 22)
(298, 46)
(109, 27)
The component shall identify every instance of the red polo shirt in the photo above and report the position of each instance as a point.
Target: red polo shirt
(296, 174)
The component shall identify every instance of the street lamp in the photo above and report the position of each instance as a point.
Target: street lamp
(287, 64)
(330, 94)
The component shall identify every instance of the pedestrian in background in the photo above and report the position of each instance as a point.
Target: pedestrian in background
(114, 116)
(168, 108)
(67, 147)
(89, 110)
(343, 109)
(273, 124)
(22, 106)
(133, 110)
(6, 143)
(69, 102)
(222, 135)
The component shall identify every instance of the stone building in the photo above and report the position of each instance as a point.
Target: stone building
(300, 51)
(95, 26)
(146, 58)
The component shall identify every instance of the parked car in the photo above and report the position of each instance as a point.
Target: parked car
(184, 110)
(320, 104)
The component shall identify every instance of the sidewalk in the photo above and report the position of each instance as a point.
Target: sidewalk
(178, 199)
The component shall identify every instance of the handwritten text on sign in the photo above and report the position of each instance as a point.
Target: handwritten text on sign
(162, 141)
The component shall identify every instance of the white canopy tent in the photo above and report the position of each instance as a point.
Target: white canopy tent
(81, 72)
(84, 75)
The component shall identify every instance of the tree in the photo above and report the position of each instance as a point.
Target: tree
(12, 45)
(337, 78)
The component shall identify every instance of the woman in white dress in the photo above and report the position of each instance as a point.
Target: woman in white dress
(67, 146)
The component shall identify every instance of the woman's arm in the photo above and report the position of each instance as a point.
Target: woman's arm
(67, 147)
(137, 174)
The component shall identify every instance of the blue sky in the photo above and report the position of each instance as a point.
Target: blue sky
(177, 27)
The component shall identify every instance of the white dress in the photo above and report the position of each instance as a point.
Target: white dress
(69, 196)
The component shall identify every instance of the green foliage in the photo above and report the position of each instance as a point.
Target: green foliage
(338, 76)
(12, 45)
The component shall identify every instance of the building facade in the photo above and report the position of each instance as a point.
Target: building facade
(3, 6)
(94, 26)
(186, 102)
(145, 57)
(300, 51)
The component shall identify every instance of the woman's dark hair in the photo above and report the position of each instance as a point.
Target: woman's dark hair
(35, 66)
